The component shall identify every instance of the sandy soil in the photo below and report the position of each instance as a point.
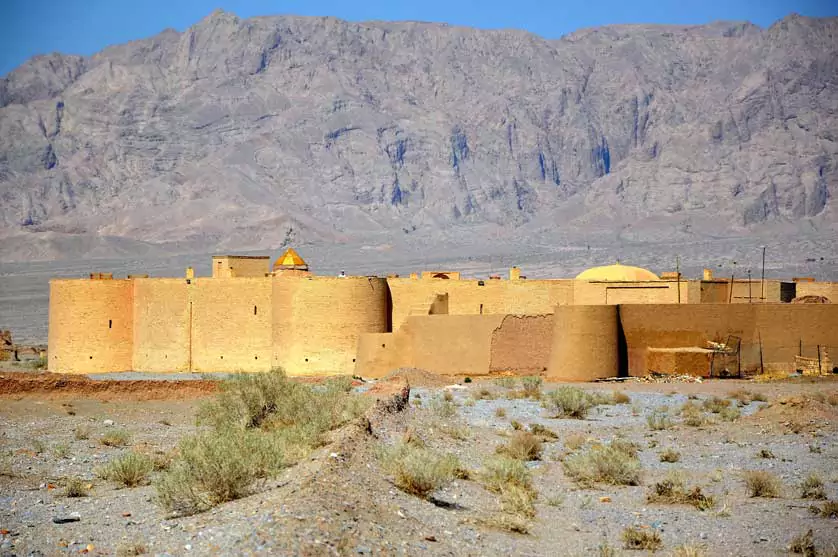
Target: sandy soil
(341, 501)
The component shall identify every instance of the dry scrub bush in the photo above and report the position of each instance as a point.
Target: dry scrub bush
(765, 453)
(81, 432)
(455, 431)
(658, 420)
(130, 469)
(523, 445)
(501, 472)
(829, 509)
(568, 402)
(692, 415)
(506, 382)
(603, 464)
(531, 386)
(115, 438)
(61, 450)
(417, 470)
(516, 425)
(518, 501)
(715, 404)
(670, 455)
(637, 538)
(687, 550)
(673, 491)
(500, 412)
(804, 544)
(260, 423)
(131, 549)
(443, 407)
(630, 448)
(746, 397)
(508, 522)
(575, 440)
(545, 433)
(75, 487)
(761, 483)
(482, 394)
(619, 397)
(729, 414)
(812, 488)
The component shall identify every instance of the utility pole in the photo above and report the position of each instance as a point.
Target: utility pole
(762, 292)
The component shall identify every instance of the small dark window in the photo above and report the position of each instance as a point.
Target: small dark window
(481, 309)
(222, 357)
(254, 310)
(91, 357)
(353, 360)
(255, 357)
(382, 346)
(306, 359)
(480, 283)
(110, 323)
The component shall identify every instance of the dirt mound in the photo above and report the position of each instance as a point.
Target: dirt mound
(56, 385)
(800, 412)
(811, 300)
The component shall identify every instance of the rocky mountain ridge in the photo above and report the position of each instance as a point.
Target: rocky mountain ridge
(246, 134)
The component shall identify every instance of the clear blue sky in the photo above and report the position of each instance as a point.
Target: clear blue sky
(29, 27)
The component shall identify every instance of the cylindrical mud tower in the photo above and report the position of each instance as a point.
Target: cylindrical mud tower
(317, 321)
(585, 343)
(91, 325)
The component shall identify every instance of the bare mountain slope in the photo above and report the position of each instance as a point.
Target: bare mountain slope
(244, 134)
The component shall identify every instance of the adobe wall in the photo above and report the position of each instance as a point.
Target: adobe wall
(467, 297)
(227, 334)
(318, 321)
(90, 325)
(584, 343)
(161, 325)
(827, 289)
(453, 344)
(613, 293)
(240, 267)
(522, 344)
(778, 328)
(380, 353)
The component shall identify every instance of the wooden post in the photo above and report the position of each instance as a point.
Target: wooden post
(761, 363)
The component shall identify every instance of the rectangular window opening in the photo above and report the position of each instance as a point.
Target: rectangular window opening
(110, 323)
(254, 310)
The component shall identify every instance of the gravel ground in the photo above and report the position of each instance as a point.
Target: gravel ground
(341, 502)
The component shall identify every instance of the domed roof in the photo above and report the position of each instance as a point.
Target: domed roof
(617, 273)
(290, 260)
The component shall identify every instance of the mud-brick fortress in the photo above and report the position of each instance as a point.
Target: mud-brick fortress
(609, 321)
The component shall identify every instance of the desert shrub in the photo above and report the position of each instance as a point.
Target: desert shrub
(575, 440)
(531, 386)
(523, 445)
(115, 438)
(568, 402)
(812, 488)
(467, 380)
(815, 449)
(658, 420)
(81, 432)
(599, 398)
(672, 490)
(417, 470)
(130, 469)
(442, 407)
(765, 453)
(692, 415)
(761, 483)
(715, 404)
(637, 538)
(804, 544)
(543, 432)
(506, 382)
(729, 414)
(687, 550)
(603, 464)
(669, 455)
(630, 448)
(75, 487)
(500, 472)
(829, 509)
(619, 397)
(456, 431)
(746, 397)
(507, 522)
(500, 412)
(215, 467)
(37, 363)
(61, 450)
(516, 425)
(38, 446)
(518, 500)
(482, 394)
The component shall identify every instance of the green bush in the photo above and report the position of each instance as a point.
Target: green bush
(417, 470)
(523, 445)
(568, 402)
(500, 472)
(603, 464)
(658, 420)
(115, 438)
(130, 469)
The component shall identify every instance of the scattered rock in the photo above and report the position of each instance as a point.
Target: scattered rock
(64, 519)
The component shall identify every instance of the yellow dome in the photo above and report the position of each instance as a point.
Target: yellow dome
(290, 260)
(617, 273)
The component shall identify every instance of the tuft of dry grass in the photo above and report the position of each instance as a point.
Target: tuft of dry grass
(829, 509)
(76, 487)
(603, 464)
(658, 420)
(443, 407)
(765, 453)
(417, 470)
(729, 414)
(82, 432)
(715, 404)
(672, 490)
(516, 425)
(482, 394)
(500, 412)
(619, 397)
(692, 415)
(638, 538)
(131, 549)
(531, 386)
(130, 469)
(630, 448)
(804, 544)
(812, 487)
(545, 433)
(669, 455)
(456, 431)
(688, 550)
(746, 397)
(61, 450)
(518, 501)
(507, 522)
(115, 438)
(506, 382)
(575, 440)
(761, 483)
(523, 445)
(500, 472)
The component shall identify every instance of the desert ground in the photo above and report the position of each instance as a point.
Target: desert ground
(424, 464)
